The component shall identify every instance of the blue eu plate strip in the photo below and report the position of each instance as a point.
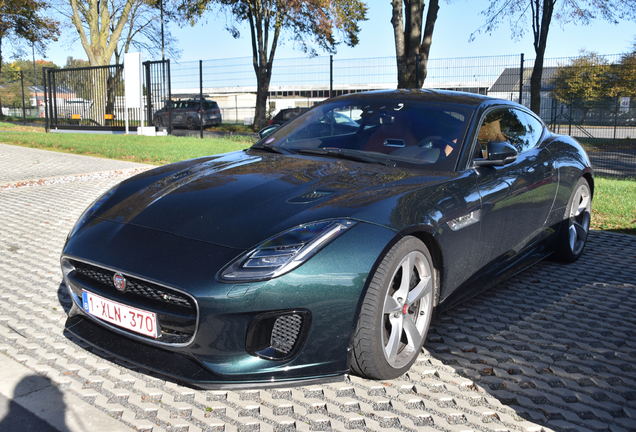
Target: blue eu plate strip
(85, 300)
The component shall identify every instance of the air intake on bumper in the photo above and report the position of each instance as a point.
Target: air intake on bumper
(277, 335)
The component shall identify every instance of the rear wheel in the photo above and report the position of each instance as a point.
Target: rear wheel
(158, 121)
(396, 312)
(576, 226)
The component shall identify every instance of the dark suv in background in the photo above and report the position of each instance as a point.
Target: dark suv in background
(188, 113)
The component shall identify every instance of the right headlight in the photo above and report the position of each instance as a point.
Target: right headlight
(284, 252)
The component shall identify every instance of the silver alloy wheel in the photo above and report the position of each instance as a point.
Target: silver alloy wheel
(407, 309)
(579, 224)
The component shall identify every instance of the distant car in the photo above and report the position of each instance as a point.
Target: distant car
(186, 113)
(285, 115)
(327, 246)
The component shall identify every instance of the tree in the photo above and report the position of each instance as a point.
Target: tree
(11, 71)
(540, 14)
(109, 28)
(99, 25)
(143, 30)
(624, 75)
(76, 63)
(21, 20)
(410, 41)
(586, 81)
(269, 20)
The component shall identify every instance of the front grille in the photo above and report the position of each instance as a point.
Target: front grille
(134, 286)
(176, 312)
(285, 332)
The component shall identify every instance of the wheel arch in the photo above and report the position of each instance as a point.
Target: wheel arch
(427, 237)
(590, 181)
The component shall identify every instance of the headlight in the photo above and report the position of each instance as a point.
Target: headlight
(92, 209)
(284, 252)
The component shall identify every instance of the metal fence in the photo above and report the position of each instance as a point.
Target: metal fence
(87, 98)
(93, 97)
(603, 125)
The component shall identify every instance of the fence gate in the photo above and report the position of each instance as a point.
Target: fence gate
(93, 98)
(157, 80)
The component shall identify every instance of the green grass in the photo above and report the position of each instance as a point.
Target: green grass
(614, 205)
(20, 119)
(597, 144)
(133, 148)
(223, 127)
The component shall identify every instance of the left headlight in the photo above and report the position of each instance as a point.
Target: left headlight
(92, 209)
(284, 252)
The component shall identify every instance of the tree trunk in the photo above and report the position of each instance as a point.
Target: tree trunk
(409, 43)
(262, 93)
(540, 29)
(99, 94)
(535, 85)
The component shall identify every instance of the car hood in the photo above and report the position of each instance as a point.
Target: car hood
(239, 199)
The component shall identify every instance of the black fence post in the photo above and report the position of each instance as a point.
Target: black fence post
(23, 107)
(46, 114)
(169, 102)
(331, 75)
(148, 95)
(201, 95)
(616, 111)
(521, 64)
(570, 117)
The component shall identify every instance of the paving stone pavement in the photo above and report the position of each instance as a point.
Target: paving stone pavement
(551, 349)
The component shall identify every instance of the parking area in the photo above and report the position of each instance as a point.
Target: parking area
(552, 349)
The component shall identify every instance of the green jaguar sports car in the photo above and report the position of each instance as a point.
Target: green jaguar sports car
(326, 247)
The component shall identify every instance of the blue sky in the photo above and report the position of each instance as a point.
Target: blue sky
(456, 22)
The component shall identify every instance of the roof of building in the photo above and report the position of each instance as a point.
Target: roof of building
(508, 80)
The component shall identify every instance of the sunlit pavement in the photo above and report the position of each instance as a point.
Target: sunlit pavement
(553, 348)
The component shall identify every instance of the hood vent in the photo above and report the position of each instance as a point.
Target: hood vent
(311, 196)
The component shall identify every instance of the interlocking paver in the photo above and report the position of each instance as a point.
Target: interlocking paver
(551, 349)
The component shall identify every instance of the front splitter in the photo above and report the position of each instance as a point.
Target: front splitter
(178, 367)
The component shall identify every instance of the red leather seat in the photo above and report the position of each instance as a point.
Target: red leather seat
(388, 137)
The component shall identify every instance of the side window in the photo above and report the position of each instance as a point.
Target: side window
(510, 125)
(535, 130)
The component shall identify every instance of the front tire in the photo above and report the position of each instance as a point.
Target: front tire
(396, 312)
(191, 124)
(576, 226)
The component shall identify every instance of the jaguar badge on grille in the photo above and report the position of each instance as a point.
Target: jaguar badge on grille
(120, 282)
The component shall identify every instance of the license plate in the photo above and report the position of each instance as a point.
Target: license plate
(133, 319)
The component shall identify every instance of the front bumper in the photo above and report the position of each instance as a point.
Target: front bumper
(220, 353)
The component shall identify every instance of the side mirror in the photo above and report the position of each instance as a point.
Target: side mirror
(267, 130)
(500, 153)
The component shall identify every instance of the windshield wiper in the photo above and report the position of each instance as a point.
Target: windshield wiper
(354, 156)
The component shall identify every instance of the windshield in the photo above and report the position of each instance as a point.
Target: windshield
(415, 132)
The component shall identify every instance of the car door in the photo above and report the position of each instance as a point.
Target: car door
(516, 197)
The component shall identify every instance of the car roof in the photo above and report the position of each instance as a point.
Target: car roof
(445, 96)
